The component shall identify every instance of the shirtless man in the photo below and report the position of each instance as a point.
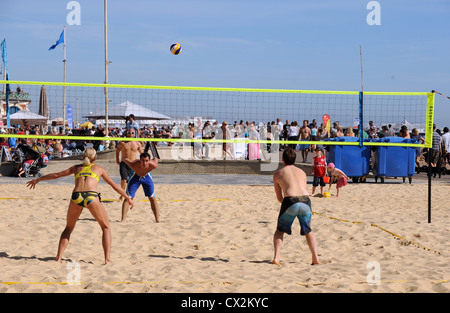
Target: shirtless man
(127, 149)
(141, 176)
(291, 191)
(305, 134)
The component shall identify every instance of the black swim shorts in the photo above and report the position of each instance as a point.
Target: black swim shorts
(125, 171)
(293, 207)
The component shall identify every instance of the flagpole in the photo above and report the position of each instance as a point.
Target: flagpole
(7, 89)
(64, 88)
(106, 68)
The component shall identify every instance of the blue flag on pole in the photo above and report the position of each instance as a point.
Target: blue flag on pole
(5, 61)
(69, 116)
(4, 56)
(60, 41)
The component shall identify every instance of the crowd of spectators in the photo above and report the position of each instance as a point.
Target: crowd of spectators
(272, 130)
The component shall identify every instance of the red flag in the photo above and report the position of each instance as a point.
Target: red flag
(327, 122)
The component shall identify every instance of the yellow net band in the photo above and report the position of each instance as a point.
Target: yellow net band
(18, 82)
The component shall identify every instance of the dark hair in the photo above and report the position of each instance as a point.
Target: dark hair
(144, 155)
(289, 156)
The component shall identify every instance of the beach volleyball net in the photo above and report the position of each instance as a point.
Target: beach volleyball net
(70, 110)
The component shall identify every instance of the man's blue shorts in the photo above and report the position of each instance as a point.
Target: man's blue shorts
(303, 146)
(136, 181)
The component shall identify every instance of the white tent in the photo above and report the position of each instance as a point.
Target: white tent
(26, 117)
(411, 126)
(122, 110)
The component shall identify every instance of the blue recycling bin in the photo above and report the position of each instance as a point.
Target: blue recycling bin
(354, 161)
(392, 161)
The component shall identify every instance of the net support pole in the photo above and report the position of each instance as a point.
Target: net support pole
(429, 138)
(361, 101)
(429, 121)
(429, 185)
(361, 105)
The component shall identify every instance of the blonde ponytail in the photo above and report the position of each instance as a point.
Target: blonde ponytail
(86, 161)
(89, 156)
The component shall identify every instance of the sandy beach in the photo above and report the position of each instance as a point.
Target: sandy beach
(218, 239)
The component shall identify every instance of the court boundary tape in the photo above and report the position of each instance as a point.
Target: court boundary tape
(398, 237)
(309, 283)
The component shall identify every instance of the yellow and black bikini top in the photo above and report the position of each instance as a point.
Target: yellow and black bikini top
(87, 172)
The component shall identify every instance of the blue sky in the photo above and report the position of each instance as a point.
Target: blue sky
(283, 44)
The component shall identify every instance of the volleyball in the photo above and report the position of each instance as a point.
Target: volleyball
(175, 48)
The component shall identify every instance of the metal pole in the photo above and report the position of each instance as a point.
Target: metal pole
(106, 69)
(429, 177)
(361, 108)
(429, 184)
(361, 102)
(64, 87)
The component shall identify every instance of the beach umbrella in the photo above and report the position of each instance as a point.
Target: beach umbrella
(87, 125)
(43, 104)
(124, 109)
(26, 117)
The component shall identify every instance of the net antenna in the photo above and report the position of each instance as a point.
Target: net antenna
(361, 102)
(360, 56)
(441, 94)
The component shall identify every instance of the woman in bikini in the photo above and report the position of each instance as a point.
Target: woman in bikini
(85, 195)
